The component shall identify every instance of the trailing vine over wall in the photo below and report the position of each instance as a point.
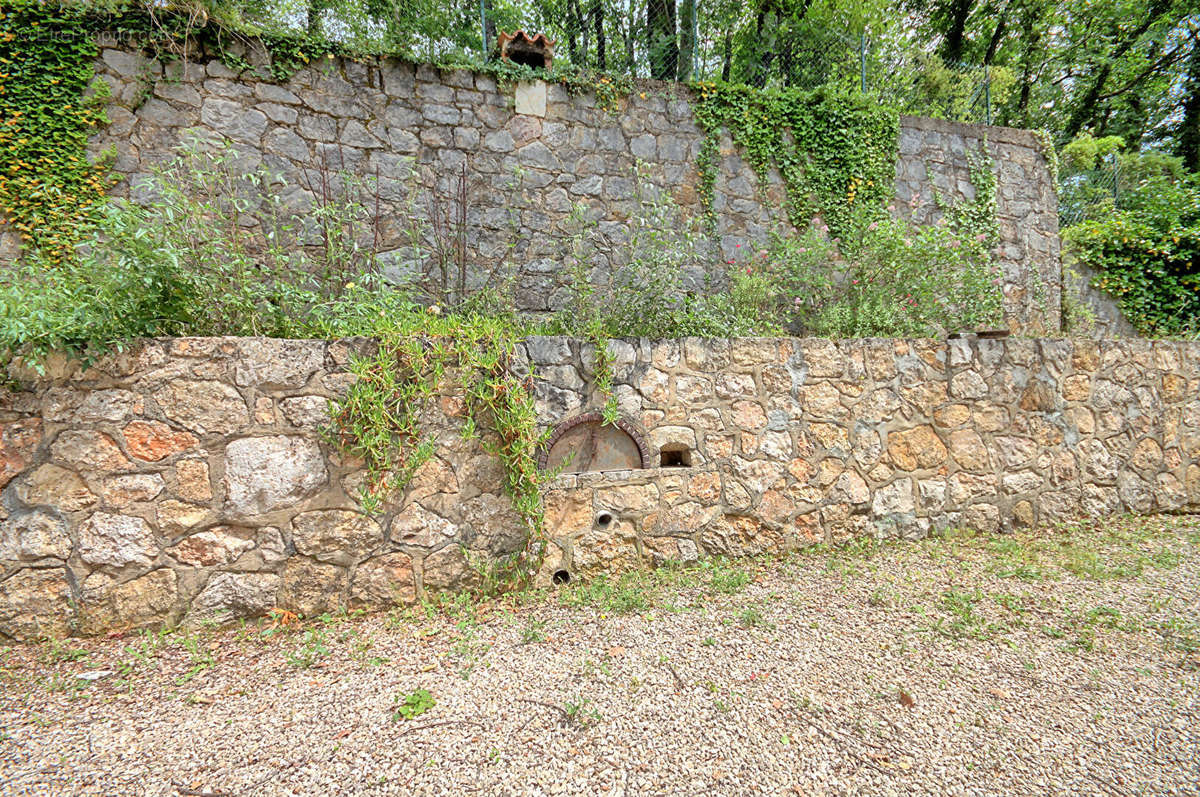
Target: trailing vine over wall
(380, 419)
(47, 183)
(975, 217)
(834, 150)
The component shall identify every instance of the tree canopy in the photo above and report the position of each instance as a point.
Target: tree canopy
(1127, 68)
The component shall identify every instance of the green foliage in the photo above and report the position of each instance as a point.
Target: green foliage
(664, 282)
(1087, 152)
(419, 355)
(889, 277)
(1136, 222)
(1148, 256)
(212, 251)
(884, 276)
(311, 649)
(580, 711)
(413, 705)
(727, 579)
(46, 115)
(833, 149)
(952, 90)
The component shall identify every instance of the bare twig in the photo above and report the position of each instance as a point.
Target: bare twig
(183, 790)
(441, 723)
(561, 711)
(844, 747)
(679, 682)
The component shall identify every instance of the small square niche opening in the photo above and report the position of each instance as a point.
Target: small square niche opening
(674, 456)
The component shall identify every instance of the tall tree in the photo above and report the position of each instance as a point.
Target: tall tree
(1187, 132)
(597, 14)
(687, 38)
(953, 15)
(660, 34)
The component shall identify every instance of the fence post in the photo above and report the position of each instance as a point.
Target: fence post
(862, 62)
(1116, 178)
(483, 27)
(987, 93)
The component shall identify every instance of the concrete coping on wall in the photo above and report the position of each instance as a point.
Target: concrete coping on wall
(993, 133)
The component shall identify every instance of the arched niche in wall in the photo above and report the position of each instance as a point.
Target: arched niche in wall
(587, 443)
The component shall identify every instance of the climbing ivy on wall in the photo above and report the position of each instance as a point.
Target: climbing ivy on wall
(46, 115)
(834, 150)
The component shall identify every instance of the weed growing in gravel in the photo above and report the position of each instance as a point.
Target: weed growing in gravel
(137, 655)
(200, 658)
(313, 647)
(964, 621)
(590, 668)
(534, 632)
(1179, 633)
(629, 592)
(412, 705)
(65, 683)
(750, 618)
(580, 711)
(59, 650)
(468, 649)
(728, 579)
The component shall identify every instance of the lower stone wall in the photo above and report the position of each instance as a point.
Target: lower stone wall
(188, 480)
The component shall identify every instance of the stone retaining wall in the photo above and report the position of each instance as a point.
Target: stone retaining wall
(531, 154)
(187, 480)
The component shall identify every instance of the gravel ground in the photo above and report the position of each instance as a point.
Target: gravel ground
(1059, 661)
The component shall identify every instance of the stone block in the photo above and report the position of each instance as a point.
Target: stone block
(207, 406)
(116, 540)
(263, 474)
(232, 119)
(54, 486)
(530, 97)
(383, 582)
(36, 604)
(416, 525)
(151, 441)
(147, 601)
(214, 547)
(18, 441)
(118, 492)
(32, 536)
(89, 451)
(229, 596)
(310, 588)
(335, 535)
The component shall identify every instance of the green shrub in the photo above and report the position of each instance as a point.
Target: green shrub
(890, 278)
(664, 281)
(1147, 254)
(209, 250)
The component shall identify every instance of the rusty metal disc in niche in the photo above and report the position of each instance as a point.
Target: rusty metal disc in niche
(593, 445)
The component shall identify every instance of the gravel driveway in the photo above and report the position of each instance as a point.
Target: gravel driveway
(1064, 660)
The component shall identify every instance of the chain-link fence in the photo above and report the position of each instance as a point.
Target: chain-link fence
(1089, 194)
(673, 40)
